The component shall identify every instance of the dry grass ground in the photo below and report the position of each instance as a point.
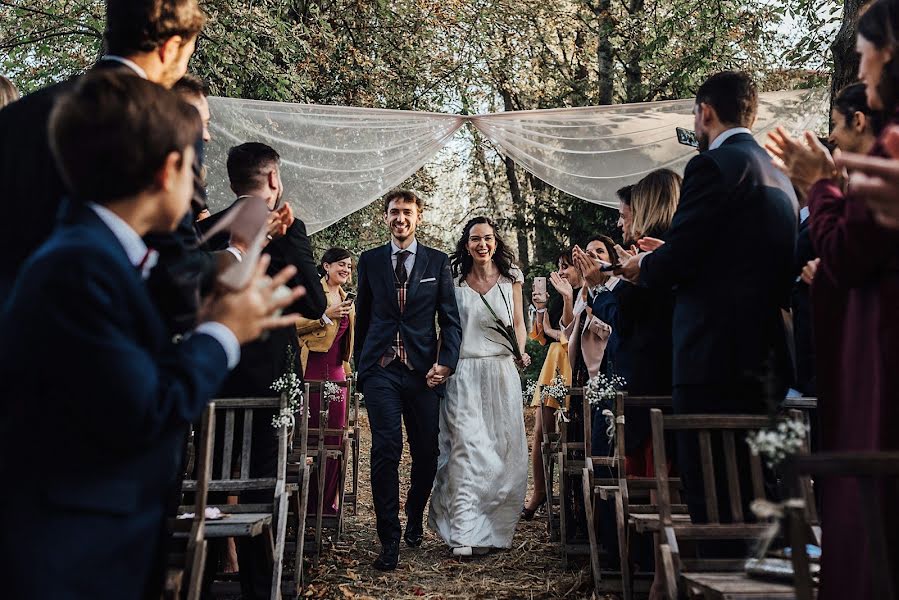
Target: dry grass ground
(531, 569)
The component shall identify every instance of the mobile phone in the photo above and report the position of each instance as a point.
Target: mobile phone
(350, 297)
(539, 285)
(686, 137)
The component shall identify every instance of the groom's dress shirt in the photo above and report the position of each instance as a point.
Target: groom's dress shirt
(410, 258)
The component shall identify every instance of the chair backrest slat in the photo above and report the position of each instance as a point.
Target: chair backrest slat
(246, 445)
(708, 475)
(229, 444)
(755, 471)
(660, 464)
(733, 476)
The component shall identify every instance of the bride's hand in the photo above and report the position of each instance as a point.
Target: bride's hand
(525, 361)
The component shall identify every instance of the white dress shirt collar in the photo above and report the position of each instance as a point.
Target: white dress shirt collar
(134, 247)
(803, 214)
(412, 249)
(725, 135)
(128, 63)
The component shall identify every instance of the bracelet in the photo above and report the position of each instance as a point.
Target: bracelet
(540, 311)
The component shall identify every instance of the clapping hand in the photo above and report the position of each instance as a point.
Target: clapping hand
(876, 179)
(804, 163)
(630, 264)
(257, 307)
(648, 244)
(588, 266)
(561, 284)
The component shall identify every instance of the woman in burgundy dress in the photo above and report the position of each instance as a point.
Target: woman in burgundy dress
(326, 346)
(861, 261)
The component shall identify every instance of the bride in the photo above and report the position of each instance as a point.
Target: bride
(482, 470)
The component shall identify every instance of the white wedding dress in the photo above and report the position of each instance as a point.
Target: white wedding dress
(482, 471)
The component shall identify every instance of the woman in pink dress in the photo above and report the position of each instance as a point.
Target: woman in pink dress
(326, 346)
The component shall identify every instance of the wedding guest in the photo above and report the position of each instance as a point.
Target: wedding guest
(120, 401)
(729, 252)
(152, 39)
(195, 92)
(625, 215)
(861, 257)
(567, 283)
(254, 172)
(326, 347)
(8, 92)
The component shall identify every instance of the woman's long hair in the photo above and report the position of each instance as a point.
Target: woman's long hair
(654, 202)
(879, 24)
(462, 261)
(332, 255)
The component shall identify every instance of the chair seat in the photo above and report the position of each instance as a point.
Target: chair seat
(737, 585)
(238, 525)
(650, 521)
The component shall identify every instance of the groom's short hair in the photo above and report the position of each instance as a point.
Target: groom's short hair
(733, 95)
(136, 26)
(403, 196)
(249, 164)
(112, 132)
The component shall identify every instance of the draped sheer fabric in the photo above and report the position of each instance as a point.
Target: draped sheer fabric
(336, 160)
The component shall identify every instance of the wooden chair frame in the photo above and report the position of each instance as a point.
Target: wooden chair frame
(251, 520)
(568, 466)
(298, 478)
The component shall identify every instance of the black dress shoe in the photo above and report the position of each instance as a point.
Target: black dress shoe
(414, 533)
(389, 557)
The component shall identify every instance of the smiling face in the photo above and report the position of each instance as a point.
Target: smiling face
(871, 61)
(339, 272)
(481, 243)
(569, 273)
(597, 249)
(847, 134)
(402, 218)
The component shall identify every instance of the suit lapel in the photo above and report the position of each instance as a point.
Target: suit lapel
(418, 269)
(387, 276)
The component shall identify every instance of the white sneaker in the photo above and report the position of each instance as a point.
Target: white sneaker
(462, 551)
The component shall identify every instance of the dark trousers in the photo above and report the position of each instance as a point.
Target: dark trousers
(393, 395)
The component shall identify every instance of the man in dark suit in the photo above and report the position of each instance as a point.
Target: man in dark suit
(729, 258)
(402, 285)
(255, 175)
(118, 394)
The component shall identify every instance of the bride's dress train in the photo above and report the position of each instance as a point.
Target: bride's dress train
(482, 470)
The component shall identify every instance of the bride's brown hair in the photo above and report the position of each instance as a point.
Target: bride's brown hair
(461, 261)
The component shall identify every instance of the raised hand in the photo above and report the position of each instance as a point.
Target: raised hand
(804, 163)
(539, 299)
(809, 271)
(257, 307)
(561, 284)
(630, 265)
(648, 244)
(338, 311)
(588, 266)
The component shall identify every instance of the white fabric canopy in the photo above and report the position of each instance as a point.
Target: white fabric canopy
(336, 160)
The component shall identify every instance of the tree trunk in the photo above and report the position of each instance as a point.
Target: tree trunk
(845, 60)
(519, 206)
(603, 12)
(634, 70)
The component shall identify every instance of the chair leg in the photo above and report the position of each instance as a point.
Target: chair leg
(355, 467)
(194, 586)
(548, 484)
(624, 553)
(587, 486)
(280, 537)
(563, 492)
(670, 576)
(303, 507)
(319, 513)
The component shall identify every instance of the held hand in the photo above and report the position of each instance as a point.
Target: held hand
(809, 271)
(539, 299)
(630, 266)
(804, 163)
(648, 244)
(338, 311)
(437, 375)
(256, 308)
(561, 284)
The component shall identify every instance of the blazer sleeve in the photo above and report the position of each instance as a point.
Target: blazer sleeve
(305, 326)
(448, 317)
(295, 249)
(363, 306)
(135, 393)
(702, 205)
(852, 247)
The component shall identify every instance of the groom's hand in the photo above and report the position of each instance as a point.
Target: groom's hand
(437, 375)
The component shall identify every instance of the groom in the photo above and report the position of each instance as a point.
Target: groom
(402, 285)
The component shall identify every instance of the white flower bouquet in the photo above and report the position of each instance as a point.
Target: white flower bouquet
(777, 443)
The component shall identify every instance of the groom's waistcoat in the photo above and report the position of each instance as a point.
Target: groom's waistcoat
(429, 293)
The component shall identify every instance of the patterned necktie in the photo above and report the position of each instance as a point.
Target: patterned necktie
(400, 271)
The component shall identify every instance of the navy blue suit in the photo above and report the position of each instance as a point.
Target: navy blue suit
(728, 257)
(396, 393)
(95, 404)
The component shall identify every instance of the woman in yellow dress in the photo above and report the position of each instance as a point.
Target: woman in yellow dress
(547, 329)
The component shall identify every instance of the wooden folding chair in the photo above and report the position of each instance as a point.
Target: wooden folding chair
(190, 563)
(570, 462)
(605, 478)
(703, 577)
(354, 431)
(267, 519)
(549, 447)
(298, 481)
(320, 451)
(869, 469)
